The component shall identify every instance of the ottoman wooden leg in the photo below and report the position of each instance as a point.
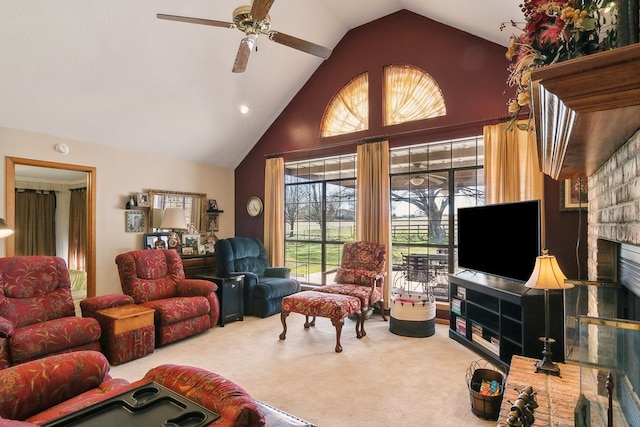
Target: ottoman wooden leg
(307, 324)
(338, 324)
(283, 319)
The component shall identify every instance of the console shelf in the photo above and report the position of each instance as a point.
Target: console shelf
(499, 318)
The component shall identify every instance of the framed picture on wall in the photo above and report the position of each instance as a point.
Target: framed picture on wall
(134, 221)
(573, 194)
(213, 223)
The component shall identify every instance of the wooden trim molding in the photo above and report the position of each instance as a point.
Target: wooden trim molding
(10, 203)
(585, 109)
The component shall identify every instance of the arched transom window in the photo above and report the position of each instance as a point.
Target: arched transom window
(410, 94)
(348, 111)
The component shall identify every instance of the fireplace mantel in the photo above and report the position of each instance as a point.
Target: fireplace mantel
(584, 109)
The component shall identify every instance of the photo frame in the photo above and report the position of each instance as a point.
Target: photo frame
(134, 221)
(143, 200)
(201, 250)
(573, 194)
(190, 241)
(155, 241)
(187, 250)
(212, 205)
(212, 223)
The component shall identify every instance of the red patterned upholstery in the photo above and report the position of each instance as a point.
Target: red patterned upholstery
(155, 279)
(46, 389)
(361, 273)
(333, 306)
(37, 314)
(321, 304)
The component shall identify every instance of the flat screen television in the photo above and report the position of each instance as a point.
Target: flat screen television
(501, 239)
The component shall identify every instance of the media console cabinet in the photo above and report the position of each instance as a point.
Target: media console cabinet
(499, 318)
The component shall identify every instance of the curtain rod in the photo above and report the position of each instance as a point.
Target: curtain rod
(379, 138)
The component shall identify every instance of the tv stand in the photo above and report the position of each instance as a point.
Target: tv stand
(499, 317)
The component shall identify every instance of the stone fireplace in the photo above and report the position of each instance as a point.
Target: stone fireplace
(614, 258)
(587, 119)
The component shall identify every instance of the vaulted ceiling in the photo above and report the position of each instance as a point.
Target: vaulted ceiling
(109, 72)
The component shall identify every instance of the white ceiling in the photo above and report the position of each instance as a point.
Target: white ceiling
(109, 72)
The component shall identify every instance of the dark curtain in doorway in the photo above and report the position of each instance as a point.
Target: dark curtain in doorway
(35, 222)
(78, 229)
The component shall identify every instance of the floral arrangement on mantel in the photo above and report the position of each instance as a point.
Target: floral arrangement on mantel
(555, 31)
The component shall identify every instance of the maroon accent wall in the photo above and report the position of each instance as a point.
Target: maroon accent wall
(472, 75)
(471, 72)
(565, 231)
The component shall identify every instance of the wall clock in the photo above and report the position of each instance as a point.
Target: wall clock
(254, 206)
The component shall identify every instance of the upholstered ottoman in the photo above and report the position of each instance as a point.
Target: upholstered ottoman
(319, 304)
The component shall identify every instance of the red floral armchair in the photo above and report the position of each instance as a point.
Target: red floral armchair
(37, 314)
(43, 390)
(361, 274)
(183, 307)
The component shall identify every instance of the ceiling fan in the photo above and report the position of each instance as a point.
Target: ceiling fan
(252, 21)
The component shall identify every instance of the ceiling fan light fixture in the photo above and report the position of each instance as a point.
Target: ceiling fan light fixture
(254, 20)
(417, 180)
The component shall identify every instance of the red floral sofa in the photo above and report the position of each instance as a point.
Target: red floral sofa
(37, 314)
(155, 278)
(43, 390)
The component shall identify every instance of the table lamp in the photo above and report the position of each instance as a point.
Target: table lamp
(547, 276)
(173, 219)
(5, 230)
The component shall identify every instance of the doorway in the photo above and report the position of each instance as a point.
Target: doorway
(55, 167)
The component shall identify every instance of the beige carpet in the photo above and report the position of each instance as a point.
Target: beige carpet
(380, 380)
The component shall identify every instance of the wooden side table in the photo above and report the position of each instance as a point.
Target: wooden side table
(128, 332)
(231, 295)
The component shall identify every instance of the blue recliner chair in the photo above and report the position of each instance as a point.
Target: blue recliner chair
(264, 286)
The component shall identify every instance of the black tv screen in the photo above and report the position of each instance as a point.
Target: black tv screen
(501, 239)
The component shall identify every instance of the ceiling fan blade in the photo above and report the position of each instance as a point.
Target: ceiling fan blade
(260, 9)
(242, 57)
(201, 21)
(303, 45)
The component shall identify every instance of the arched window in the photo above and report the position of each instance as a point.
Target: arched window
(348, 111)
(410, 94)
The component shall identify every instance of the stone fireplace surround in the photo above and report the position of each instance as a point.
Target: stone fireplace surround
(613, 219)
(613, 241)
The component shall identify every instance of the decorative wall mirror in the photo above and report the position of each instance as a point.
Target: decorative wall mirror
(21, 173)
(194, 204)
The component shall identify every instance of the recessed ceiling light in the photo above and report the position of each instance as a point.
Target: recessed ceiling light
(244, 109)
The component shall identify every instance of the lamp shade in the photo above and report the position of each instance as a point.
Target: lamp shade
(547, 274)
(5, 231)
(173, 218)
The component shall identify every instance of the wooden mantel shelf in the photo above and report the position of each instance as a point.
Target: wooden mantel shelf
(584, 109)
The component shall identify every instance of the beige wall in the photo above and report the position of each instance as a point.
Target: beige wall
(118, 174)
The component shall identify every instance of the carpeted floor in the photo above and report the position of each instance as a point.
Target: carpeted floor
(380, 380)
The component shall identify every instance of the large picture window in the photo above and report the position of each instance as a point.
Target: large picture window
(428, 183)
(319, 216)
